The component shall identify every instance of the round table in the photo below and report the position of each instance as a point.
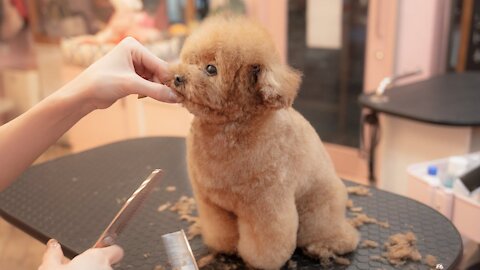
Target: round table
(73, 199)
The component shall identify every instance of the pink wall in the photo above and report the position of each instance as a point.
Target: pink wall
(273, 15)
(381, 41)
(404, 36)
(422, 38)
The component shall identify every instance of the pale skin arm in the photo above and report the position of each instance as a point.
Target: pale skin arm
(128, 69)
(114, 76)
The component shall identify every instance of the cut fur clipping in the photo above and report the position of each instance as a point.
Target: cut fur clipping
(402, 247)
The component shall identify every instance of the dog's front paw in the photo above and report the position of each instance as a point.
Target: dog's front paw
(265, 262)
(345, 242)
(221, 244)
(265, 254)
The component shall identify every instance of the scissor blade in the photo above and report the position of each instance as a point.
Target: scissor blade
(127, 211)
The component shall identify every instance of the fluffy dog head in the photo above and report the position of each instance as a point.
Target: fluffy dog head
(230, 69)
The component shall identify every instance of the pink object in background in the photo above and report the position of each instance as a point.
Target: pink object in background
(161, 19)
(273, 15)
(128, 19)
(146, 21)
(381, 41)
(422, 38)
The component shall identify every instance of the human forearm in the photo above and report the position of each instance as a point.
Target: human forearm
(128, 69)
(28, 136)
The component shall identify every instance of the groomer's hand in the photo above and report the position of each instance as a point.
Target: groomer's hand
(92, 259)
(128, 69)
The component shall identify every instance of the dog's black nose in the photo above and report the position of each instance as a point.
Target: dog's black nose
(179, 80)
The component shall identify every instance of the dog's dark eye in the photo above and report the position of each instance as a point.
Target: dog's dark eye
(255, 69)
(255, 72)
(211, 70)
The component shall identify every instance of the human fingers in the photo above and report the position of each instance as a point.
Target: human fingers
(53, 256)
(113, 253)
(154, 90)
(145, 61)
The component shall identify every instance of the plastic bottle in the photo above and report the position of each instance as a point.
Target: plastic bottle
(456, 167)
(433, 181)
(432, 175)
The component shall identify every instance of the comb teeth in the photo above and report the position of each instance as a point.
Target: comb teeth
(178, 250)
(136, 200)
(127, 211)
(140, 195)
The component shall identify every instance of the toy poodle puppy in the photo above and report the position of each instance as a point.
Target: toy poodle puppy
(262, 179)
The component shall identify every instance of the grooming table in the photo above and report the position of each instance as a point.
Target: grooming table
(73, 198)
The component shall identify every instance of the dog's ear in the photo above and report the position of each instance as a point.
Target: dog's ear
(277, 85)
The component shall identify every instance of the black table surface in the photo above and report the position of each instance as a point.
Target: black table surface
(73, 198)
(452, 99)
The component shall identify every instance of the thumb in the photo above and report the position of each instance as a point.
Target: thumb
(53, 255)
(154, 90)
(113, 253)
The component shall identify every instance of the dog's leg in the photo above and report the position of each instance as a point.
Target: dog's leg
(218, 226)
(268, 232)
(323, 227)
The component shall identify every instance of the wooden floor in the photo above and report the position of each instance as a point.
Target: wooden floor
(18, 250)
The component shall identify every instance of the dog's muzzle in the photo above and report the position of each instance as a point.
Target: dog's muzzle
(179, 80)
